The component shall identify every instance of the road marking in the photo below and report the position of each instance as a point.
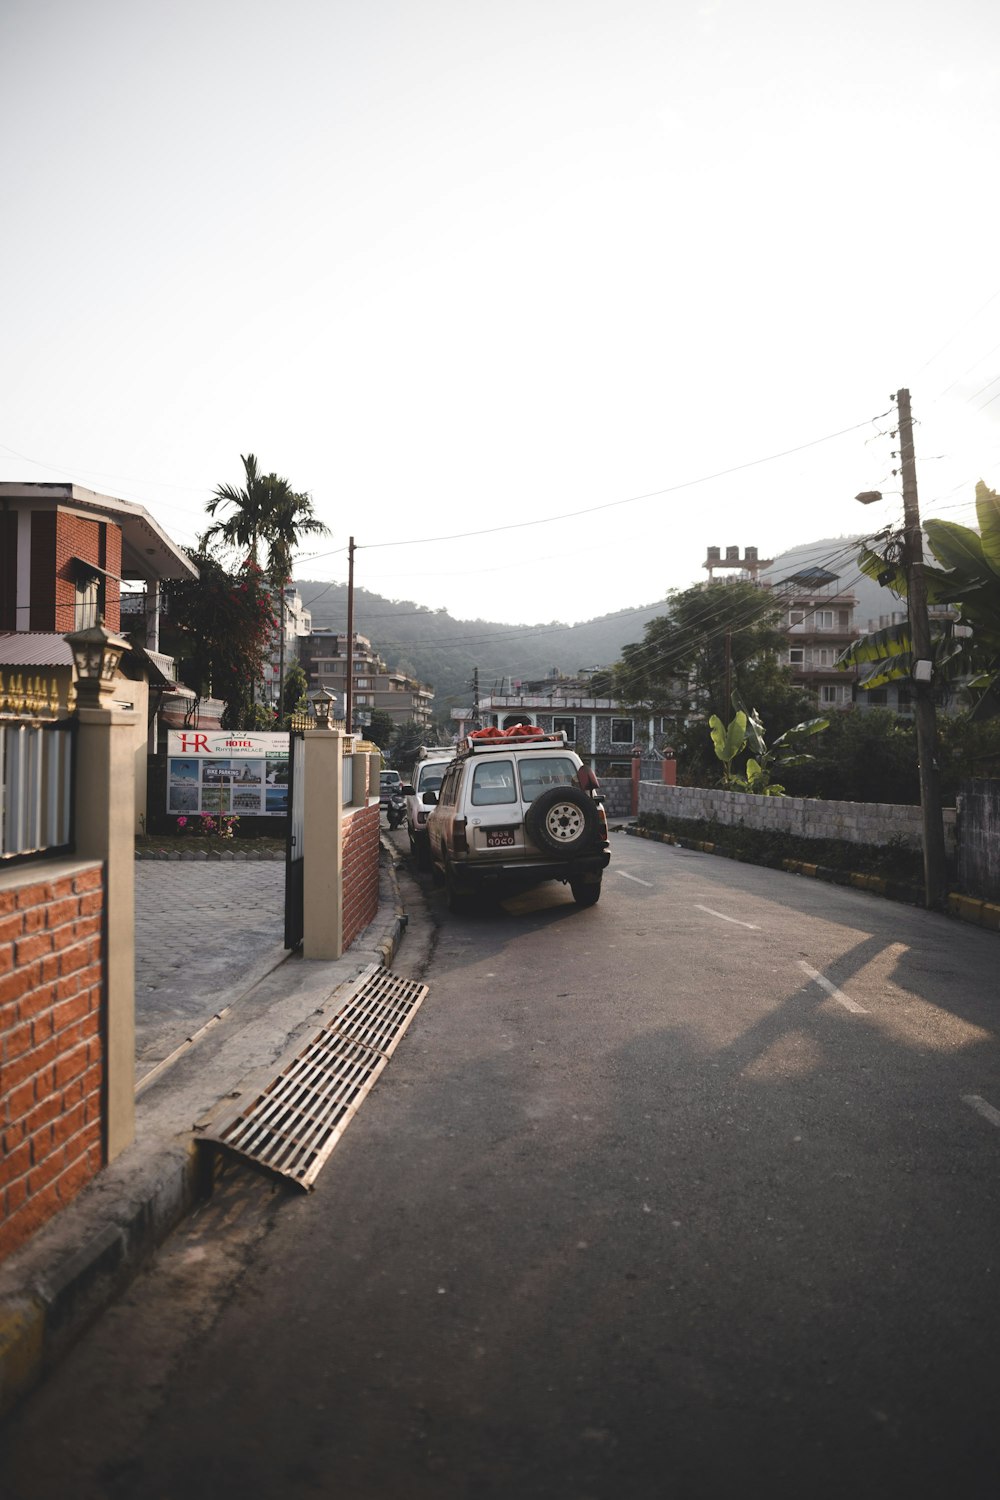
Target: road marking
(831, 989)
(981, 1107)
(713, 913)
(626, 876)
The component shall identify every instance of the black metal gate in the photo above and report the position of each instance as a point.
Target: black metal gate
(294, 883)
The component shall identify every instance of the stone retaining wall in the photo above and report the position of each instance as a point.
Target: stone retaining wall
(875, 823)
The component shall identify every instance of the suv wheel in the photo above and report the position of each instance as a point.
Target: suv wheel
(563, 820)
(586, 893)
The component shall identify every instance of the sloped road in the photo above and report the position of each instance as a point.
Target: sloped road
(694, 1193)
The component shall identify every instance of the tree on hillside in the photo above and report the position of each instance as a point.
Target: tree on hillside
(969, 580)
(218, 627)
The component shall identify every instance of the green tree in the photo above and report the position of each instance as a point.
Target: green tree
(294, 694)
(968, 579)
(265, 514)
(219, 628)
(746, 732)
(249, 518)
(381, 728)
(866, 755)
(712, 635)
(406, 741)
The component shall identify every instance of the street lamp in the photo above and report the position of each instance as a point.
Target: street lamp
(96, 655)
(322, 703)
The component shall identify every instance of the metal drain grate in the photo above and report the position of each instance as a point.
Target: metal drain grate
(293, 1124)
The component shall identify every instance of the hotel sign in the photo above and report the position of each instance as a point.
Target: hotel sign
(220, 771)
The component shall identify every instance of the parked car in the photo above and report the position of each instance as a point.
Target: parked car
(426, 777)
(388, 782)
(515, 811)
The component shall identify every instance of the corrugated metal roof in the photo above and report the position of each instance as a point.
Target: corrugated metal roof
(34, 648)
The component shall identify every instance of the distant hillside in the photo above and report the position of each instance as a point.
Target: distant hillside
(432, 646)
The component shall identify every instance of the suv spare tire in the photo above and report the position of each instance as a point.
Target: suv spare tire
(563, 820)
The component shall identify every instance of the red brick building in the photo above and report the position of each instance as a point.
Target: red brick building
(65, 552)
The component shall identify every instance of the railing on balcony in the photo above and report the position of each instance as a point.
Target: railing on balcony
(36, 787)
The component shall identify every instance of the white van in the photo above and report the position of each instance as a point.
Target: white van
(426, 776)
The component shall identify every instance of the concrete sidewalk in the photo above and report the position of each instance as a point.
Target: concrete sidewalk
(219, 1000)
(205, 934)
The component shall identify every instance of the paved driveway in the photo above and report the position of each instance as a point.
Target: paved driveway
(201, 931)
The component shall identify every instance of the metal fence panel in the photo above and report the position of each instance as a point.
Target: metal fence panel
(36, 785)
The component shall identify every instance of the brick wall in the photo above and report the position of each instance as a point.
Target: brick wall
(360, 839)
(51, 1048)
(96, 542)
(854, 822)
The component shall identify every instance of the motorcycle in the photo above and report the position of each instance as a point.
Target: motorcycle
(395, 813)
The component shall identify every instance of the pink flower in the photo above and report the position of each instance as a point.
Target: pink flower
(182, 822)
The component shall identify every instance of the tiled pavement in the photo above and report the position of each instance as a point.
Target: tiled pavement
(203, 931)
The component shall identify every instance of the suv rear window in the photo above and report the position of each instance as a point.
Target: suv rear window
(539, 772)
(493, 783)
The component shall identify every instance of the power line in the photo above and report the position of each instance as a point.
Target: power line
(570, 515)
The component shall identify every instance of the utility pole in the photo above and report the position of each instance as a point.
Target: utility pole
(920, 642)
(475, 694)
(728, 694)
(349, 692)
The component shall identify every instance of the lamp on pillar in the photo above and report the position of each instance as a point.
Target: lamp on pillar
(322, 703)
(96, 654)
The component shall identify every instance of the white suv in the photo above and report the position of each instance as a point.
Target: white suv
(517, 811)
(426, 777)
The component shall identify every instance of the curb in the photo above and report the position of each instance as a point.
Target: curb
(49, 1297)
(39, 1324)
(966, 908)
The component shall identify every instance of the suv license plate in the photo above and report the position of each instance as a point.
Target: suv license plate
(499, 838)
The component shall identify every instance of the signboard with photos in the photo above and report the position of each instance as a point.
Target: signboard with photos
(227, 772)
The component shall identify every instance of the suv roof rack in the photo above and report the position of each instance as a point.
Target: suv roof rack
(472, 745)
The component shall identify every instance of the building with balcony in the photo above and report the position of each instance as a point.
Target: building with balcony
(819, 618)
(295, 621)
(602, 732)
(323, 654)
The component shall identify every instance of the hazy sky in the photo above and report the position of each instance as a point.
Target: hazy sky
(454, 266)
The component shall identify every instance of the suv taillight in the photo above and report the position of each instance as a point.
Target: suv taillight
(458, 836)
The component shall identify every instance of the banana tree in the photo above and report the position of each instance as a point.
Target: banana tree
(968, 579)
(747, 728)
(728, 741)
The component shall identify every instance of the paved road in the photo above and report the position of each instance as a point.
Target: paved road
(694, 1193)
(200, 929)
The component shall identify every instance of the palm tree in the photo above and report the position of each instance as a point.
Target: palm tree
(266, 513)
(248, 522)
